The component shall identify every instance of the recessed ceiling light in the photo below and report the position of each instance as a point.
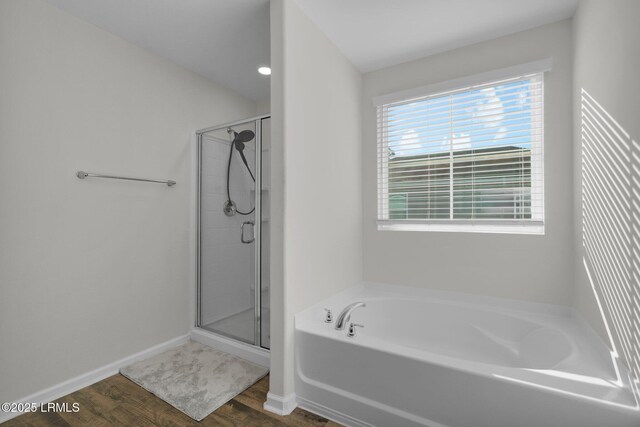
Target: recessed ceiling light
(265, 71)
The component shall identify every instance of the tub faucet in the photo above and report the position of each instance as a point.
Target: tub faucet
(345, 315)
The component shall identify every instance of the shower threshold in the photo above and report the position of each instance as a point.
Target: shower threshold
(239, 326)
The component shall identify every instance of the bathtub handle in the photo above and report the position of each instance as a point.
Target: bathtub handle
(329, 316)
(352, 329)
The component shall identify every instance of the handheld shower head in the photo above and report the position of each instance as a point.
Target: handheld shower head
(240, 138)
(238, 142)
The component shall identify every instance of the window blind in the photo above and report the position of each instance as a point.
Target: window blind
(469, 156)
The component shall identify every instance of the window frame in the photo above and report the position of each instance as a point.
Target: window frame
(535, 225)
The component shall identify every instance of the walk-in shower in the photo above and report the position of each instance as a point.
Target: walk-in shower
(233, 230)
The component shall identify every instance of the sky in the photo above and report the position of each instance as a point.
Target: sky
(500, 115)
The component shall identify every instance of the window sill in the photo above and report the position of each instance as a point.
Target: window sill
(465, 226)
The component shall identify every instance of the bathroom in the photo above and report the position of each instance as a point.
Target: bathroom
(503, 293)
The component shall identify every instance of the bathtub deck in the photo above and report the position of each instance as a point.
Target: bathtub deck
(118, 401)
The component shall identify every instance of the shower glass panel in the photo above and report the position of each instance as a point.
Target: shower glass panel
(231, 247)
(265, 231)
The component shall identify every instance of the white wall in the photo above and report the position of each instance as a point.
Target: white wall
(91, 271)
(528, 267)
(607, 170)
(263, 107)
(316, 119)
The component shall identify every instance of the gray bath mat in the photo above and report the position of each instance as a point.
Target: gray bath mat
(194, 378)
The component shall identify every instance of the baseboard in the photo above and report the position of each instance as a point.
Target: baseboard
(330, 414)
(280, 405)
(84, 380)
(259, 356)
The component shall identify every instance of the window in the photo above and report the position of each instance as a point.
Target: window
(468, 158)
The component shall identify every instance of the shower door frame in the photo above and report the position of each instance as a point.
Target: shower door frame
(257, 327)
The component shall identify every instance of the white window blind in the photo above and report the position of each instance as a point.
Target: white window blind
(468, 159)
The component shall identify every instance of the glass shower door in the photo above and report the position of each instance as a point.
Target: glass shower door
(228, 233)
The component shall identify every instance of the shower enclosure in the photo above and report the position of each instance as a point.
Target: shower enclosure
(233, 230)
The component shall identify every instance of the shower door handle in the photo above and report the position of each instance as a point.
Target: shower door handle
(253, 237)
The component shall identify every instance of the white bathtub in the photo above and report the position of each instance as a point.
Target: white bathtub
(429, 358)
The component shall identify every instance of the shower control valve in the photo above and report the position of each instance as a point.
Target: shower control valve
(328, 318)
(352, 329)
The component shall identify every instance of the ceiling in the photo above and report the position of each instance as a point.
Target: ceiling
(375, 34)
(226, 40)
(223, 40)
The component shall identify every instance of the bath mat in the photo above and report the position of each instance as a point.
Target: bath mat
(194, 378)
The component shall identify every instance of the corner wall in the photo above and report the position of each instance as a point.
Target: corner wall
(316, 123)
(96, 270)
(607, 171)
(527, 267)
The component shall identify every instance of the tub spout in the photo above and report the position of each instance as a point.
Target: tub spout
(345, 315)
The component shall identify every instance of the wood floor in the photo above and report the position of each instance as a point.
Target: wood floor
(117, 401)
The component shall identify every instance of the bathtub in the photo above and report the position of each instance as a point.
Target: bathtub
(427, 358)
